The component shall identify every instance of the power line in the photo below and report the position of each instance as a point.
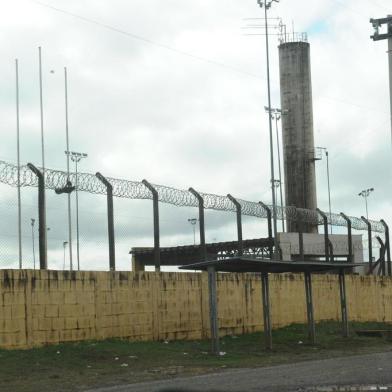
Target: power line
(147, 40)
(181, 52)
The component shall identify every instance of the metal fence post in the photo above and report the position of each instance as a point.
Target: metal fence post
(349, 237)
(387, 244)
(157, 251)
(239, 223)
(43, 249)
(369, 230)
(200, 200)
(326, 235)
(269, 220)
(109, 197)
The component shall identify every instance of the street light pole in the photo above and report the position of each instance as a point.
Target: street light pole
(267, 4)
(76, 157)
(328, 183)
(67, 155)
(193, 221)
(18, 163)
(365, 194)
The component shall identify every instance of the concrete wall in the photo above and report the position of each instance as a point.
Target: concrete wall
(44, 307)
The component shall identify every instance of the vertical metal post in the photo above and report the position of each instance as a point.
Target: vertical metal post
(269, 220)
(213, 300)
(329, 189)
(68, 181)
(157, 251)
(387, 244)
(309, 307)
(239, 223)
(267, 5)
(369, 230)
(42, 134)
(277, 117)
(390, 69)
(343, 302)
(203, 248)
(326, 238)
(43, 254)
(349, 237)
(109, 198)
(266, 311)
(18, 163)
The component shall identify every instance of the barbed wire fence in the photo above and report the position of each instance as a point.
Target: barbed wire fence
(93, 214)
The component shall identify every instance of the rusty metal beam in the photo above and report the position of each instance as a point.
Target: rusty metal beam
(157, 251)
(239, 223)
(369, 230)
(326, 235)
(269, 220)
(110, 216)
(43, 250)
(200, 200)
(349, 237)
(388, 246)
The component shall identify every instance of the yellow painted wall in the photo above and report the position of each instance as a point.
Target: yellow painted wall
(45, 307)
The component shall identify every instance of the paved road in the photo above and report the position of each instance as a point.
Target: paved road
(359, 370)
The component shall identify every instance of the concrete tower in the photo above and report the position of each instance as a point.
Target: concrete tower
(297, 127)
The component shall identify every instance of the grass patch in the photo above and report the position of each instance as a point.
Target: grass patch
(78, 366)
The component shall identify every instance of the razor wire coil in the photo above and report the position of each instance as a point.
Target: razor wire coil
(88, 182)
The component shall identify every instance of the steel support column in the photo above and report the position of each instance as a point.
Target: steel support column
(343, 302)
(326, 235)
(349, 237)
(269, 221)
(309, 307)
(266, 310)
(369, 230)
(43, 251)
(110, 213)
(387, 244)
(239, 223)
(213, 300)
(200, 200)
(157, 251)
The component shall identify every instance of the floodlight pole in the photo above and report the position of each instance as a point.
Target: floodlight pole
(365, 193)
(377, 23)
(76, 157)
(67, 155)
(267, 5)
(18, 162)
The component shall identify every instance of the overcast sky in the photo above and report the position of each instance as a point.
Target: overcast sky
(174, 92)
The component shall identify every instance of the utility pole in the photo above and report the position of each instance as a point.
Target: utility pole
(267, 5)
(377, 23)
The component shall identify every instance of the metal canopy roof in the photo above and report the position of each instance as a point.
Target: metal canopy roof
(250, 264)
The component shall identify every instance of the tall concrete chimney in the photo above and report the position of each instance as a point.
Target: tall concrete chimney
(297, 127)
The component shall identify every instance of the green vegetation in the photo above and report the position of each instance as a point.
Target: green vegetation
(78, 366)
